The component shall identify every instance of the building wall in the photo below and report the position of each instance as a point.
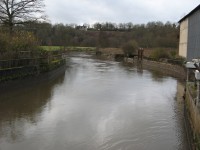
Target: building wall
(193, 36)
(183, 38)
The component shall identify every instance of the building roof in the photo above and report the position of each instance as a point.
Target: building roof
(193, 11)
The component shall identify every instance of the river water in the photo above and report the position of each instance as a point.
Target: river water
(95, 105)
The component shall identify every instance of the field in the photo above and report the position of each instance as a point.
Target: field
(53, 48)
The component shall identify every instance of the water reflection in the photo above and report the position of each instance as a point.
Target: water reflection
(23, 107)
(96, 105)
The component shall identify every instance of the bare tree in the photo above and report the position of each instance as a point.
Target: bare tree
(13, 12)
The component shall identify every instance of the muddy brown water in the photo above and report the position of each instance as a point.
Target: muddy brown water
(95, 105)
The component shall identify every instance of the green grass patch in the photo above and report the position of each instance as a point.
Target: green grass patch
(70, 48)
(81, 48)
(52, 48)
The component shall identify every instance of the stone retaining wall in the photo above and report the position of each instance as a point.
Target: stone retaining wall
(192, 119)
(166, 68)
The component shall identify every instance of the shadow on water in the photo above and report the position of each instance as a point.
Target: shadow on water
(25, 102)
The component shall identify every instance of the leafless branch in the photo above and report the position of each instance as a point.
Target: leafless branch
(20, 11)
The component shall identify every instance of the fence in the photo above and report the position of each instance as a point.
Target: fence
(18, 68)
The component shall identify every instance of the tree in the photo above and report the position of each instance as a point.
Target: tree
(13, 12)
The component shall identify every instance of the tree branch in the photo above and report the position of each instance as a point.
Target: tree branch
(16, 12)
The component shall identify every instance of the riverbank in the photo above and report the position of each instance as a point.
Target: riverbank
(163, 67)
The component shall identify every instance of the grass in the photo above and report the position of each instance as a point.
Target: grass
(51, 48)
(70, 48)
(81, 48)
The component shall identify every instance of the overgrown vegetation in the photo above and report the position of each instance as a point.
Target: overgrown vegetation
(167, 55)
(160, 53)
(130, 48)
(20, 56)
(20, 41)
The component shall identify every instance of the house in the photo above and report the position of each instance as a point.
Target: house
(82, 28)
(189, 43)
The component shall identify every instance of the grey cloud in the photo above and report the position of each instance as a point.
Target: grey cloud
(136, 11)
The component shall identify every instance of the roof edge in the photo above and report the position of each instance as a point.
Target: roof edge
(190, 13)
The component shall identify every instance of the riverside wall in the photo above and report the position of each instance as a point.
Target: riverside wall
(192, 119)
(165, 68)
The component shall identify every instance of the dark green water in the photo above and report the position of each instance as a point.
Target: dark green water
(95, 105)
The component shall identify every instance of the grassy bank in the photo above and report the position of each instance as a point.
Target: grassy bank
(81, 49)
(68, 48)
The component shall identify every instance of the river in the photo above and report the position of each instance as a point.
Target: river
(95, 105)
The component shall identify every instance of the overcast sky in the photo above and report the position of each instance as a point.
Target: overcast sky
(117, 11)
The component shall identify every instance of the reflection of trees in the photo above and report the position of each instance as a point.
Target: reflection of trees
(24, 105)
(157, 76)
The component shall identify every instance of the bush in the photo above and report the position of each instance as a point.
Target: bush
(12, 45)
(159, 53)
(23, 41)
(130, 47)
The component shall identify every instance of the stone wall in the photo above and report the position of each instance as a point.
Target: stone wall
(166, 68)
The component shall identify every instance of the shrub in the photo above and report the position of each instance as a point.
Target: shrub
(160, 53)
(23, 41)
(11, 45)
(130, 47)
